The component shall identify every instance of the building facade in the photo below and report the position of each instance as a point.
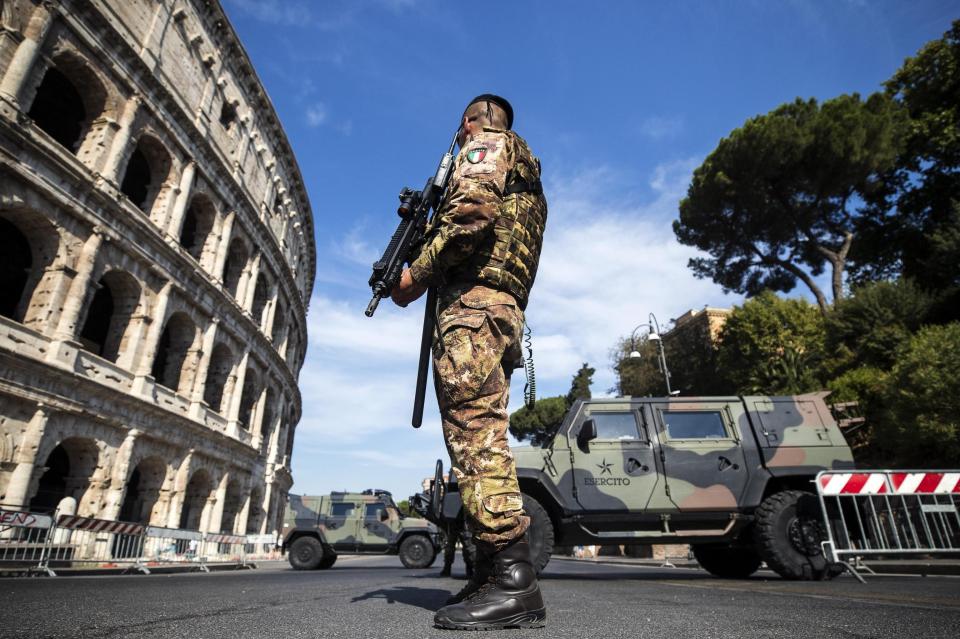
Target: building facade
(157, 262)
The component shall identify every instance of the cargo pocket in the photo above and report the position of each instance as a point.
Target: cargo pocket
(503, 506)
(464, 363)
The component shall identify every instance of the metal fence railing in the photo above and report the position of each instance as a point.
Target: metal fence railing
(39, 543)
(889, 514)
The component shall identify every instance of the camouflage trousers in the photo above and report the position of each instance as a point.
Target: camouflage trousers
(480, 329)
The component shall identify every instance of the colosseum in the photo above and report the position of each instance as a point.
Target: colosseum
(157, 262)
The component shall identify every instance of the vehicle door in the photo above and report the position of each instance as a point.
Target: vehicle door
(616, 470)
(342, 524)
(701, 454)
(375, 531)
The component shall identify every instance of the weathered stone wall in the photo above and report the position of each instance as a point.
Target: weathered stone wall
(162, 248)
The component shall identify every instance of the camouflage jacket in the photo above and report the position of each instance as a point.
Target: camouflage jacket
(482, 234)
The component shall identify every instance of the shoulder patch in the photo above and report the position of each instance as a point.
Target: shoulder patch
(481, 154)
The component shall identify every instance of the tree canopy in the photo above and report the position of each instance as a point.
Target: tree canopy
(778, 200)
(538, 424)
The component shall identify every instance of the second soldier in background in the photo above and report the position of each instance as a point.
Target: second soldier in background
(481, 253)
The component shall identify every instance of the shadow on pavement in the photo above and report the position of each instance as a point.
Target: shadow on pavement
(429, 598)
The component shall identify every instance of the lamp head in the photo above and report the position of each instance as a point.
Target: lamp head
(653, 336)
(634, 355)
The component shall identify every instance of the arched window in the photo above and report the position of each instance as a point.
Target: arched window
(179, 337)
(232, 503)
(116, 298)
(58, 109)
(69, 469)
(143, 491)
(248, 398)
(197, 226)
(53, 482)
(260, 294)
(255, 512)
(221, 366)
(14, 269)
(195, 499)
(233, 266)
(69, 97)
(266, 425)
(147, 168)
(279, 323)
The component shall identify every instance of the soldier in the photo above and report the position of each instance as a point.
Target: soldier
(481, 252)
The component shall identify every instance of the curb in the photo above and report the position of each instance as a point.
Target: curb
(154, 570)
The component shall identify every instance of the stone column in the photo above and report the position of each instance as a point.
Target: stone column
(200, 375)
(67, 326)
(240, 524)
(250, 285)
(143, 366)
(267, 326)
(121, 140)
(183, 199)
(267, 505)
(26, 54)
(221, 256)
(256, 420)
(18, 487)
(233, 412)
(179, 492)
(118, 477)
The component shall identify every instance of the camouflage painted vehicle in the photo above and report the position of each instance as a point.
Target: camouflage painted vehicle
(318, 528)
(732, 476)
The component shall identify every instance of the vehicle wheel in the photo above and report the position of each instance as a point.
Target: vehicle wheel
(416, 551)
(789, 529)
(306, 553)
(329, 558)
(540, 533)
(729, 562)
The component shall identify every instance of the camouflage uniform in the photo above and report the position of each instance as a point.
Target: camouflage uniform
(482, 253)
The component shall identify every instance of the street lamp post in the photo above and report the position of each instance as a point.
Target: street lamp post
(654, 336)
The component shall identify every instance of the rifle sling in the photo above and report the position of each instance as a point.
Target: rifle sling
(523, 186)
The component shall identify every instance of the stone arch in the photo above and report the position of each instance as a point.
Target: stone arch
(237, 256)
(195, 498)
(116, 297)
(232, 505)
(218, 374)
(261, 295)
(293, 348)
(255, 513)
(29, 244)
(267, 423)
(68, 469)
(143, 491)
(148, 167)
(172, 365)
(279, 330)
(69, 97)
(249, 395)
(197, 227)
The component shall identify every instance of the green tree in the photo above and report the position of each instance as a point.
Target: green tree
(580, 386)
(870, 326)
(771, 346)
(538, 424)
(637, 376)
(914, 228)
(778, 200)
(923, 393)
(405, 509)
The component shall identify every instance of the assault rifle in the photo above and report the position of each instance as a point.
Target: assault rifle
(414, 212)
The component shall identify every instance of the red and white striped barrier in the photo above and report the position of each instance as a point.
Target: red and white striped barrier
(890, 514)
(73, 522)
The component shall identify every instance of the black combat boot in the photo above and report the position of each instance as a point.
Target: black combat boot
(509, 599)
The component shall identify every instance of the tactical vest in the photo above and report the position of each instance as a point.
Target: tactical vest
(508, 261)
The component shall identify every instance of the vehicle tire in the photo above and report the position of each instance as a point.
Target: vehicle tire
(789, 529)
(417, 551)
(729, 562)
(305, 553)
(540, 534)
(329, 558)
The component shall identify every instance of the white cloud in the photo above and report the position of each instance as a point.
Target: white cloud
(659, 127)
(316, 114)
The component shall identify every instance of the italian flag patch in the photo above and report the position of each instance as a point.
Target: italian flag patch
(476, 155)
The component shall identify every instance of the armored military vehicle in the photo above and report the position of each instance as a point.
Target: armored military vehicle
(732, 476)
(318, 528)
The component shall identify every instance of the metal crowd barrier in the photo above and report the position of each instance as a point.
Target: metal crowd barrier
(24, 539)
(262, 547)
(889, 514)
(96, 543)
(33, 542)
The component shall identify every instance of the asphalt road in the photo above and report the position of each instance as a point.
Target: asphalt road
(375, 597)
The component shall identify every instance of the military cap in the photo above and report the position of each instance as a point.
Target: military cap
(500, 102)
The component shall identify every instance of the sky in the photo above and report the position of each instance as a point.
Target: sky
(621, 100)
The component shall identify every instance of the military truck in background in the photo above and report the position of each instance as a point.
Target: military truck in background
(316, 529)
(732, 476)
